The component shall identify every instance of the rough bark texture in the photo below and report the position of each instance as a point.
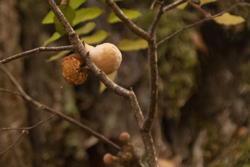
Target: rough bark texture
(218, 107)
(12, 109)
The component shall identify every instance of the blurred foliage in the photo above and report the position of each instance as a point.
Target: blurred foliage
(131, 14)
(129, 45)
(177, 60)
(235, 154)
(95, 38)
(229, 19)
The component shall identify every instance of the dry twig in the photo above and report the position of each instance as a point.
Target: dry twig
(173, 5)
(33, 51)
(165, 39)
(55, 112)
(10, 147)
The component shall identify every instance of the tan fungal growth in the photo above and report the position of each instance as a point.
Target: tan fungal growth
(106, 56)
(72, 69)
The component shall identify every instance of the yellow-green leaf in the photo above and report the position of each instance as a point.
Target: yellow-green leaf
(131, 14)
(87, 28)
(86, 14)
(49, 18)
(111, 76)
(69, 13)
(130, 45)
(58, 55)
(228, 19)
(97, 37)
(182, 6)
(203, 2)
(76, 3)
(55, 36)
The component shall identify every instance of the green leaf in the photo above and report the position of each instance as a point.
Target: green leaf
(203, 2)
(130, 45)
(228, 19)
(86, 14)
(58, 55)
(74, 4)
(131, 14)
(111, 76)
(182, 6)
(55, 36)
(49, 18)
(69, 13)
(70, 101)
(97, 37)
(87, 28)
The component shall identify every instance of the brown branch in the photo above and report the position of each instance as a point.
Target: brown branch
(198, 8)
(173, 5)
(136, 109)
(33, 51)
(29, 127)
(10, 147)
(153, 4)
(153, 58)
(10, 92)
(55, 112)
(196, 23)
(78, 45)
(151, 157)
(156, 20)
(74, 39)
(130, 24)
(64, 2)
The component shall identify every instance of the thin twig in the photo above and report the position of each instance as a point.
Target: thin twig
(10, 147)
(79, 46)
(147, 138)
(33, 51)
(153, 4)
(198, 8)
(3, 90)
(153, 59)
(74, 39)
(29, 127)
(130, 24)
(147, 126)
(195, 24)
(55, 112)
(64, 2)
(173, 5)
(156, 19)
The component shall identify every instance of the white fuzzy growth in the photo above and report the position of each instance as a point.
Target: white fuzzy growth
(106, 56)
(88, 47)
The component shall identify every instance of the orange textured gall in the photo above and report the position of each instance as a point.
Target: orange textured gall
(72, 69)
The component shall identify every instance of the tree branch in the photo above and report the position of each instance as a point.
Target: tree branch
(173, 5)
(55, 112)
(198, 7)
(33, 51)
(131, 25)
(74, 39)
(156, 20)
(165, 39)
(29, 127)
(78, 45)
(18, 140)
